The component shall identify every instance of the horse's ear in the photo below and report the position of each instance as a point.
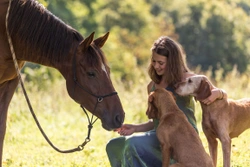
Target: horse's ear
(101, 40)
(87, 41)
(204, 90)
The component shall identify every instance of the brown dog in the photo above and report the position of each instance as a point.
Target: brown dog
(223, 119)
(178, 138)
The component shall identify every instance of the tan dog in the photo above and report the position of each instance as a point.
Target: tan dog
(178, 138)
(223, 119)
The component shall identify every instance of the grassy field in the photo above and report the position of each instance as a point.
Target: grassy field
(66, 125)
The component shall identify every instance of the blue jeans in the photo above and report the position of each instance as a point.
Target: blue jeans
(142, 150)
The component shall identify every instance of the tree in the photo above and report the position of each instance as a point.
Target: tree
(212, 38)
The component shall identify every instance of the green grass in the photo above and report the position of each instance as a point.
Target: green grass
(66, 125)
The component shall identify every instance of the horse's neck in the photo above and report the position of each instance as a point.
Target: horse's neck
(31, 56)
(40, 37)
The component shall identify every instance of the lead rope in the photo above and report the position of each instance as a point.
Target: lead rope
(80, 147)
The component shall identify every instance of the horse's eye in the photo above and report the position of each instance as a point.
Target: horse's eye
(91, 74)
(189, 80)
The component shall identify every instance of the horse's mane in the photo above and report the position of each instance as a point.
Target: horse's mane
(40, 31)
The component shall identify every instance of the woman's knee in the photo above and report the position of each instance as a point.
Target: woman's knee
(115, 144)
(133, 144)
(110, 146)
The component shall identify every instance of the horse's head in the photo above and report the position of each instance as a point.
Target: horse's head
(45, 39)
(92, 86)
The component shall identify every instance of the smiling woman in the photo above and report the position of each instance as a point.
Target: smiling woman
(167, 68)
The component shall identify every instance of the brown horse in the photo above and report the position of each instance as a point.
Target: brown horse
(40, 37)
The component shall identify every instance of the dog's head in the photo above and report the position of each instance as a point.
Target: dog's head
(197, 86)
(158, 99)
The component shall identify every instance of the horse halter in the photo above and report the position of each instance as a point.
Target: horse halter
(99, 97)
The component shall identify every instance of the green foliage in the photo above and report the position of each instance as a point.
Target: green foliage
(211, 37)
(40, 77)
(213, 33)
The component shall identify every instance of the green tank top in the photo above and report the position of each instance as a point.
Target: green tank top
(185, 103)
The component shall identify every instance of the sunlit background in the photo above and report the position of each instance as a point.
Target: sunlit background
(215, 35)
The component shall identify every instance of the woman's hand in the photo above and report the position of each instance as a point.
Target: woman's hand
(126, 129)
(215, 94)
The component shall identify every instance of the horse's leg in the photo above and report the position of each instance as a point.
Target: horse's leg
(7, 90)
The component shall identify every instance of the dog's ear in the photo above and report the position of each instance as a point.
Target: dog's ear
(204, 90)
(151, 111)
(151, 97)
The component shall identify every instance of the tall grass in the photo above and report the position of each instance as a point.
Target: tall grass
(66, 124)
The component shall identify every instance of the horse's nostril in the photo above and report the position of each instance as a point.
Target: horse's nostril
(118, 120)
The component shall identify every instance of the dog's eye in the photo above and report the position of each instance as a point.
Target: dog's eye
(189, 80)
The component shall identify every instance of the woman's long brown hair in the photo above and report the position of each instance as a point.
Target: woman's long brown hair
(176, 60)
